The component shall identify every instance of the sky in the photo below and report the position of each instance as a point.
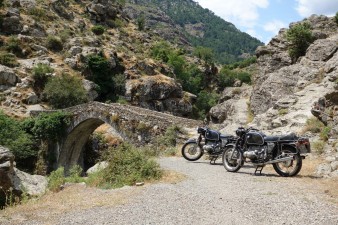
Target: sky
(264, 18)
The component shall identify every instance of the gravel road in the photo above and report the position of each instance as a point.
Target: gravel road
(210, 195)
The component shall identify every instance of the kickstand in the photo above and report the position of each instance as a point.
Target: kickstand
(259, 169)
(213, 160)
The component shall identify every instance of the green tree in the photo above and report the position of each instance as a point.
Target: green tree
(299, 37)
(65, 91)
(336, 18)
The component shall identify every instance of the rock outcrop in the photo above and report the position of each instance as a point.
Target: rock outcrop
(14, 182)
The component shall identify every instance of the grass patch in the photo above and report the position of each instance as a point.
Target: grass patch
(8, 59)
(314, 125)
(319, 146)
(127, 166)
(282, 112)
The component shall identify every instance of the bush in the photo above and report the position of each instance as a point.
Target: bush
(127, 165)
(13, 136)
(313, 125)
(299, 37)
(161, 50)
(47, 126)
(205, 101)
(13, 45)
(8, 59)
(169, 139)
(141, 21)
(40, 74)
(65, 91)
(204, 53)
(54, 43)
(336, 18)
(98, 29)
(56, 179)
(111, 82)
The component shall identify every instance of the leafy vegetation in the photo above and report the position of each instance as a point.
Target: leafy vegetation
(57, 178)
(299, 37)
(98, 29)
(8, 59)
(65, 91)
(24, 137)
(41, 73)
(54, 43)
(13, 136)
(110, 81)
(127, 165)
(336, 18)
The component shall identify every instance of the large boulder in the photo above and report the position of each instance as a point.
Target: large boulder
(11, 22)
(8, 77)
(160, 93)
(16, 182)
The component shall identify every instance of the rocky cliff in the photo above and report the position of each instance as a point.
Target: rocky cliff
(284, 92)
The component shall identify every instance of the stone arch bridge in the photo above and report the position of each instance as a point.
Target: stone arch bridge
(137, 125)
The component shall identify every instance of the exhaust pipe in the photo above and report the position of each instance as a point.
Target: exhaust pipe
(274, 161)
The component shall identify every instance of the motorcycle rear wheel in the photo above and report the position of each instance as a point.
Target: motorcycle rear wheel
(191, 151)
(289, 168)
(232, 161)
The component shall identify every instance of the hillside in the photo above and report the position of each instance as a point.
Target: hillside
(203, 28)
(291, 95)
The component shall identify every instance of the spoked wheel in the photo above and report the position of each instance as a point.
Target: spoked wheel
(232, 159)
(191, 151)
(289, 168)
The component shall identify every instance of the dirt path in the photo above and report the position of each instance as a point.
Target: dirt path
(207, 195)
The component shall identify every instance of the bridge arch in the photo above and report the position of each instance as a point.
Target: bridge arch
(134, 124)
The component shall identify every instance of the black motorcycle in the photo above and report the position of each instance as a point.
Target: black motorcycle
(285, 153)
(209, 141)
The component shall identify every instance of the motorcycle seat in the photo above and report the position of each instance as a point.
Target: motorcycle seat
(225, 136)
(288, 137)
(271, 138)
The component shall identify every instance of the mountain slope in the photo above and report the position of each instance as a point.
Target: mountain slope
(203, 28)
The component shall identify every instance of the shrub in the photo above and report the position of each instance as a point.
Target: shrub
(98, 29)
(161, 50)
(336, 18)
(38, 13)
(313, 125)
(127, 165)
(40, 74)
(205, 101)
(204, 53)
(54, 43)
(8, 59)
(169, 138)
(65, 91)
(13, 136)
(299, 37)
(13, 45)
(319, 146)
(111, 83)
(325, 133)
(141, 21)
(47, 126)
(56, 179)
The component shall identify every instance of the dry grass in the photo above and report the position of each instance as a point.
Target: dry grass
(75, 198)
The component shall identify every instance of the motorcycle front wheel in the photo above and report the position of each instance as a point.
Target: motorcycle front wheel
(232, 159)
(289, 168)
(191, 151)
